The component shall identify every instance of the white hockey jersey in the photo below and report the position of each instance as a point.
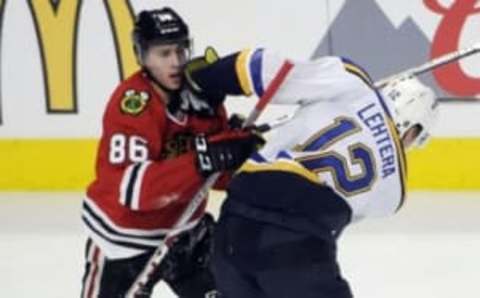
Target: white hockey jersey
(342, 134)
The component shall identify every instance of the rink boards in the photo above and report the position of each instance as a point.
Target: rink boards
(56, 79)
(60, 165)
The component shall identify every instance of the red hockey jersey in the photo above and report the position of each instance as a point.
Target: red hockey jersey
(145, 170)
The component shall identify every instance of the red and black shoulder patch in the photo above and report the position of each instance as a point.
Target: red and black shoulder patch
(134, 102)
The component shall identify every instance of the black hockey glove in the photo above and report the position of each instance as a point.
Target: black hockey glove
(213, 98)
(192, 99)
(210, 56)
(226, 150)
(236, 121)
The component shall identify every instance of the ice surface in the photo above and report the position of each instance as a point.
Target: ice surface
(430, 249)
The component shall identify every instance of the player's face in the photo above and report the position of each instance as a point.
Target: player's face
(165, 63)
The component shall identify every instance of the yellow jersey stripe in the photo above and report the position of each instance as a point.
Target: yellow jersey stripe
(399, 145)
(358, 72)
(281, 166)
(243, 73)
(401, 158)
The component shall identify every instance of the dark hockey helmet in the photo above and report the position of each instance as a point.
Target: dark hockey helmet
(159, 26)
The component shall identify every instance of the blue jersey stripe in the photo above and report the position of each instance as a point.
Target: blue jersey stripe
(257, 157)
(256, 71)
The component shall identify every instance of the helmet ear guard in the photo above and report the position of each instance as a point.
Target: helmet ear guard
(414, 105)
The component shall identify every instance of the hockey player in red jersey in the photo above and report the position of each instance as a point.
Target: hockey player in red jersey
(148, 169)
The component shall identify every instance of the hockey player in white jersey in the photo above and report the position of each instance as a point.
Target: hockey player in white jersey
(340, 159)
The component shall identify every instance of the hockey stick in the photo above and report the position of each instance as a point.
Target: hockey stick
(265, 127)
(432, 64)
(138, 287)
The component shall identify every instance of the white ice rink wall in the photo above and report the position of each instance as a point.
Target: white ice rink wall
(61, 59)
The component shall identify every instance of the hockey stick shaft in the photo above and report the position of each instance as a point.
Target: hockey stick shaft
(137, 288)
(265, 127)
(430, 65)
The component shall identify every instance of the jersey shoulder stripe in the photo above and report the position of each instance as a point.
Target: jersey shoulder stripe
(279, 165)
(243, 71)
(248, 66)
(357, 70)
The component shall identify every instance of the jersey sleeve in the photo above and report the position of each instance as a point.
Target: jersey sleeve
(250, 72)
(153, 185)
(129, 167)
(323, 79)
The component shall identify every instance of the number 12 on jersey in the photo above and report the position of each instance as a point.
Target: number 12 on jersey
(338, 165)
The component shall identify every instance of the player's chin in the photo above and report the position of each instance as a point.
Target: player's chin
(174, 83)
